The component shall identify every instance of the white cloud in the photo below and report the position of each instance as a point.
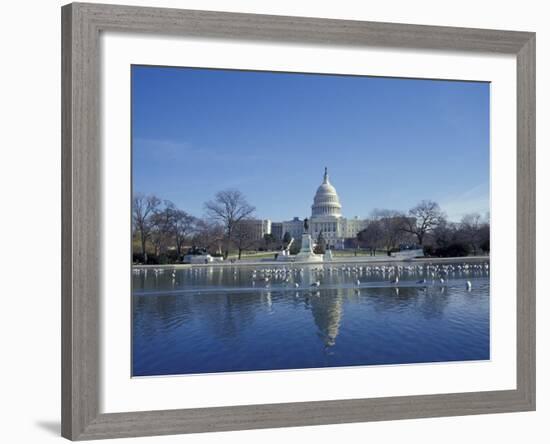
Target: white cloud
(472, 200)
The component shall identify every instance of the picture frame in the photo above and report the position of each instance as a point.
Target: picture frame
(82, 24)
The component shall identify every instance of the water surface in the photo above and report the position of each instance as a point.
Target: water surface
(222, 319)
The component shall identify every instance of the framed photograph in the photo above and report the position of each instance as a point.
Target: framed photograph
(278, 221)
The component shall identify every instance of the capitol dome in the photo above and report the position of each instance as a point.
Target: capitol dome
(326, 201)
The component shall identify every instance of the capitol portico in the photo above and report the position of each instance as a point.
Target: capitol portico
(326, 217)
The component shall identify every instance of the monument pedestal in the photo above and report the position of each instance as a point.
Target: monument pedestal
(306, 253)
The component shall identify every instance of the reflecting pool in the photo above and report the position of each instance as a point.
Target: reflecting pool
(242, 318)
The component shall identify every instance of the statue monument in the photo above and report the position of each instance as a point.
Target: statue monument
(306, 253)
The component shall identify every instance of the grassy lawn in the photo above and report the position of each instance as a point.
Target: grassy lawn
(271, 254)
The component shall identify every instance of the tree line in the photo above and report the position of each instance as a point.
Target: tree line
(162, 232)
(425, 226)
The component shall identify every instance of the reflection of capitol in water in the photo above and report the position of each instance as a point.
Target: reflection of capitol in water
(223, 319)
(327, 314)
(326, 308)
(230, 300)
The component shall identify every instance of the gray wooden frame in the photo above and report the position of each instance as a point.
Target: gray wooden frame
(81, 168)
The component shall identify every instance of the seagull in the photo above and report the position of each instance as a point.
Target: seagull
(421, 281)
(396, 280)
(358, 282)
(441, 280)
(316, 284)
(296, 285)
(468, 285)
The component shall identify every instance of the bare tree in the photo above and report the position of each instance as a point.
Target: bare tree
(243, 236)
(391, 223)
(485, 235)
(208, 235)
(422, 219)
(470, 228)
(444, 234)
(229, 207)
(372, 237)
(163, 227)
(184, 226)
(143, 207)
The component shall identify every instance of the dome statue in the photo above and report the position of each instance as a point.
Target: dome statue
(326, 201)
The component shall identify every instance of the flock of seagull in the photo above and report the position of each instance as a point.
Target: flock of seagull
(436, 273)
(429, 274)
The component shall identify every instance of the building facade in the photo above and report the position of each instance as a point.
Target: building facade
(326, 217)
(258, 228)
(277, 230)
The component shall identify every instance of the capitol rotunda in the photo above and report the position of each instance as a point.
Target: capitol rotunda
(326, 217)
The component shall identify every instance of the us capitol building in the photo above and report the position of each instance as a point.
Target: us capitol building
(326, 216)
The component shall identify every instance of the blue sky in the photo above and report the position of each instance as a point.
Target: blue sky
(387, 142)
